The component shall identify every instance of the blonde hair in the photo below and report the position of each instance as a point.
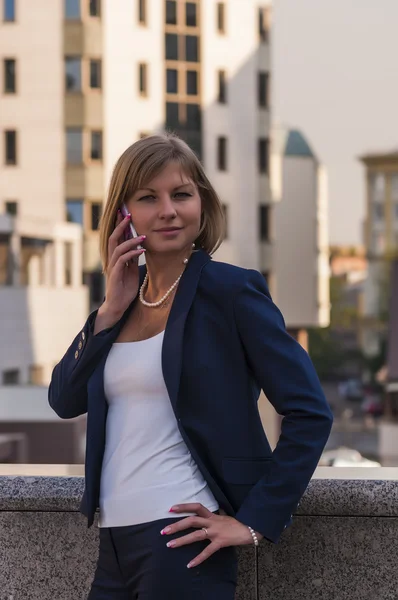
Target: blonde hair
(144, 160)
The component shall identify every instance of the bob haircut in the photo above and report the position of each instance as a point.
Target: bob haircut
(139, 164)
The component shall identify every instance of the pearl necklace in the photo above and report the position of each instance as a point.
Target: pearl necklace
(163, 298)
(167, 294)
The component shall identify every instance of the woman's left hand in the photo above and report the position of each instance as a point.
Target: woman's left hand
(222, 531)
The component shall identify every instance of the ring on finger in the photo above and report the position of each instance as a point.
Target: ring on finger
(206, 531)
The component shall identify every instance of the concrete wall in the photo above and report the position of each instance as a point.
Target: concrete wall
(341, 545)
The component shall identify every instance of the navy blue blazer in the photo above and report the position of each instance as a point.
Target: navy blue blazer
(225, 340)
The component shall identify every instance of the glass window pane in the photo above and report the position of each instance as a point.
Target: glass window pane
(394, 187)
(222, 87)
(95, 8)
(190, 14)
(96, 145)
(95, 74)
(11, 147)
(74, 146)
(171, 46)
(192, 83)
(191, 48)
(171, 12)
(142, 11)
(172, 119)
(172, 81)
(221, 17)
(73, 75)
(72, 9)
(9, 10)
(74, 211)
(193, 117)
(96, 211)
(9, 76)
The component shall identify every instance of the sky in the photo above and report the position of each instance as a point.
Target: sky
(335, 77)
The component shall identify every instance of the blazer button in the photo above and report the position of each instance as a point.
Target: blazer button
(76, 354)
(80, 345)
(83, 335)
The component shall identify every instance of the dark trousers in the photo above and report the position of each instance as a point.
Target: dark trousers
(134, 563)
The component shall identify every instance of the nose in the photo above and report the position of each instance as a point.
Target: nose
(166, 208)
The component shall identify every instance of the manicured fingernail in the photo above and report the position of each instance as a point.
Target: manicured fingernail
(173, 508)
(171, 544)
(143, 237)
(189, 565)
(166, 530)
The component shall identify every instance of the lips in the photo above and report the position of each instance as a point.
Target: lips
(168, 229)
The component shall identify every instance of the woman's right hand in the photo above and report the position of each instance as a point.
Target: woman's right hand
(122, 280)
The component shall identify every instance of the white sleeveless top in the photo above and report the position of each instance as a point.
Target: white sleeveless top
(147, 467)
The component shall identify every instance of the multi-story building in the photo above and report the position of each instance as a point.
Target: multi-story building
(381, 243)
(80, 81)
(301, 265)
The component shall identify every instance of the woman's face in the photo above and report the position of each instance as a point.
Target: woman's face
(168, 211)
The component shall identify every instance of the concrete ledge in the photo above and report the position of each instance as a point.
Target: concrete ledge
(341, 546)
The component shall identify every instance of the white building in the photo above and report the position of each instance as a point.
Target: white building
(82, 80)
(301, 258)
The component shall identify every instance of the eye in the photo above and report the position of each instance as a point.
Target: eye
(146, 198)
(183, 195)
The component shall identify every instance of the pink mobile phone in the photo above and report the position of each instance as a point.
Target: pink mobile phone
(130, 232)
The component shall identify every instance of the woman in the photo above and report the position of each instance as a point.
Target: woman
(169, 371)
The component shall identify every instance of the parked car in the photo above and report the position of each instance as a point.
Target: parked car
(345, 457)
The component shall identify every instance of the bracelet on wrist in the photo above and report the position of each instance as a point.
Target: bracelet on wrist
(254, 536)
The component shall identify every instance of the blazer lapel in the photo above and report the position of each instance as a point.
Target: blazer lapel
(173, 335)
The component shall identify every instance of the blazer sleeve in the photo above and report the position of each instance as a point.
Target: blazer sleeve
(285, 372)
(67, 393)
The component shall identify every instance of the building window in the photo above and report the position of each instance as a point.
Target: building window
(95, 74)
(264, 23)
(11, 377)
(11, 207)
(95, 8)
(263, 89)
(9, 11)
(171, 12)
(72, 9)
(10, 142)
(222, 87)
(142, 12)
(222, 153)
(263, 145)
(377, 187)
(264, 223)
(10, 83)
(194, 117)
(221, 17)
(96, 212)
(172, 119)
(74, 146)
(171, 46)
(226, 223)
(73, 74)
(378, 212)
(143, 79)
(96, 145)
(394, 187)
(191, 14)
(192, 83)
(74, 210)
(172, 81)
(191, 48)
